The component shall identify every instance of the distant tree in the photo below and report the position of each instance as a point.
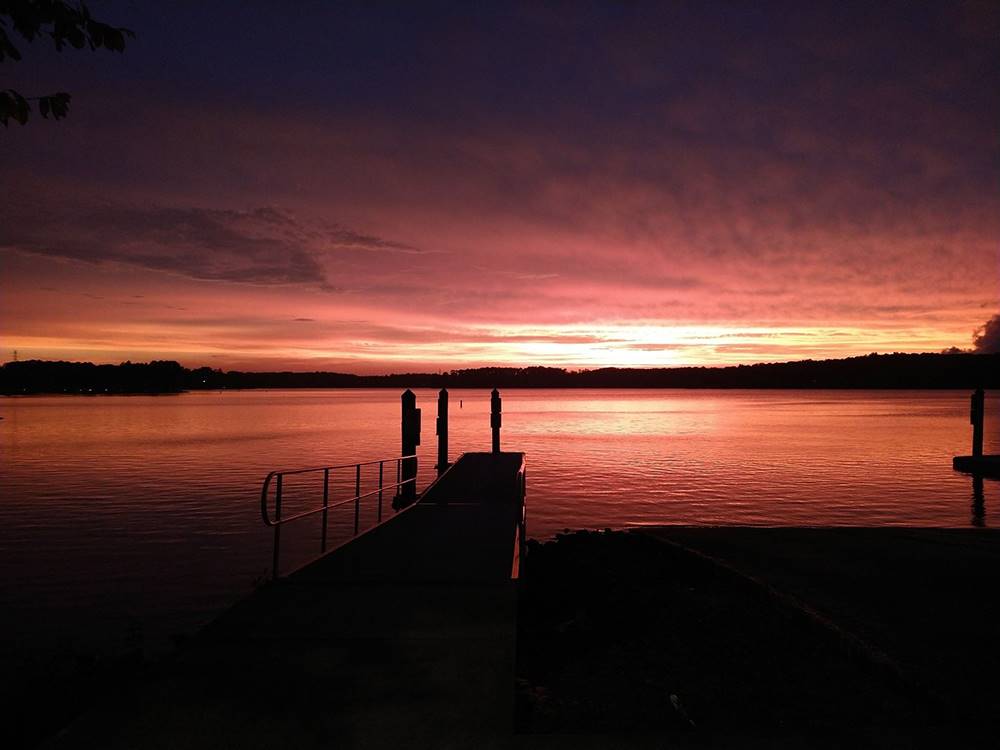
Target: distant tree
(65, 23)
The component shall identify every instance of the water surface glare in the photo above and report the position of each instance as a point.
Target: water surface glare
(140, 514)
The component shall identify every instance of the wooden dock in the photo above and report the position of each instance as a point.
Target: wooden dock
(984, 466)
(404, 637)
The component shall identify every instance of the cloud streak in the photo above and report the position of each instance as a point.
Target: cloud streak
(262, 246)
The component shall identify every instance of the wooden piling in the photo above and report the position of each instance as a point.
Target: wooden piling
(978, 409)
(442, 431)
(407, 493)
(495, 412)
(978, 464)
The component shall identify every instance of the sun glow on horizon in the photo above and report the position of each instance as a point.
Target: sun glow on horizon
(432, 348)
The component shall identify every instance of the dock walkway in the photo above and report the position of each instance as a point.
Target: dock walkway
(403, 637)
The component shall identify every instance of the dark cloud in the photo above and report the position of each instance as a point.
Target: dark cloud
(987, 337)
(347, 238)
(261, 246)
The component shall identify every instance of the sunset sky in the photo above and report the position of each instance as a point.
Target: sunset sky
(378, 187)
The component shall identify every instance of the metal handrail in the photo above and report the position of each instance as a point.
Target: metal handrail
(286, 472)
(303, 514)
(277, 521)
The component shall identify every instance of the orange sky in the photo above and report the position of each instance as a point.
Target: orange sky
(758, 198)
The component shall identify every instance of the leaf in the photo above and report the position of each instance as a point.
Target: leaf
(7, 48)
(60, 105)
(96, 33)
(21, 108)
(6, 107)
(115, 40)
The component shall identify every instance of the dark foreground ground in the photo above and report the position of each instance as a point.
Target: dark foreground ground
(761, 636)
(670, 637)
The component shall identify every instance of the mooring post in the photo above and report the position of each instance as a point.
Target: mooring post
(495, 419)
(978, 501)
(407, 492)
(442, 431)
(976, 417)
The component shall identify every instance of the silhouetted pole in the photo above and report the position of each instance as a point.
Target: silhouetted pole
(978, 501)
(976, 417)
(442, 431)
(411, 439)
(495, 419)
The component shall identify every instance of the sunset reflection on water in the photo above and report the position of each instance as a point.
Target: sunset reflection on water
(147, 507)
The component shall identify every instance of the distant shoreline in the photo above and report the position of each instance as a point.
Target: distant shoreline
(264, 389)
(873, 371)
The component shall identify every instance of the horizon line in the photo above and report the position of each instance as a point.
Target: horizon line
(567, 369)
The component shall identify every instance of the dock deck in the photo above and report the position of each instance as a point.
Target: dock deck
(404, 637)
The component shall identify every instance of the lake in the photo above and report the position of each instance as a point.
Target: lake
(128, 519)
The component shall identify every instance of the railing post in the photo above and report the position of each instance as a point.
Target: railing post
(442, 431)
(976, 417)
(381, 465)
(407, 493)
(357, 498)
(326, 503)
(277, 529)
(495, 419)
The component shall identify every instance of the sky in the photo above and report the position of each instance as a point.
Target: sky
(382, 187)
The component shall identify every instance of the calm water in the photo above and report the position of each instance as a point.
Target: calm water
(139, 515)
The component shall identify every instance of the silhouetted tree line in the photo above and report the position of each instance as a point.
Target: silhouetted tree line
(40, 376)
(949, 370)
